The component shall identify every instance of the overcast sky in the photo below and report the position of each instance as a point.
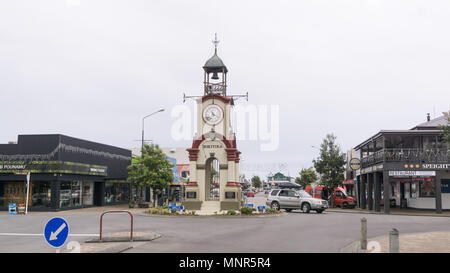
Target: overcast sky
(93, 68)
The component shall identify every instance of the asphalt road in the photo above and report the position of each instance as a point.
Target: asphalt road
(291, 232)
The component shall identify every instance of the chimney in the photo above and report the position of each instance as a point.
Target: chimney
(428, 116)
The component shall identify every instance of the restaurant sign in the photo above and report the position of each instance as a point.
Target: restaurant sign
(412, 173)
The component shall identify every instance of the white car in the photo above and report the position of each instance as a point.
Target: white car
(289, 199)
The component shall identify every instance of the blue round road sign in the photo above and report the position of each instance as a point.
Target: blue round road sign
(56, 232)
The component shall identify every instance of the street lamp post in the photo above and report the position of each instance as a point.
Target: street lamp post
(143, 119)
(142, 144)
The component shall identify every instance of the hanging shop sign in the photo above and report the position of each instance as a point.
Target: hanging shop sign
(355, 164)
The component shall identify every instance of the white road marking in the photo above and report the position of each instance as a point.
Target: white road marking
(37, 234)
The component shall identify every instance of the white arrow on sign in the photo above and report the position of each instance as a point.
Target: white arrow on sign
(54, 235)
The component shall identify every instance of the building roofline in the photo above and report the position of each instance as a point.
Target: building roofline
(76, 138)
(397, 132)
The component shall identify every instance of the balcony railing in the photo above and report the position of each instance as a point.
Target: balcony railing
(215, 88)
(434, 155)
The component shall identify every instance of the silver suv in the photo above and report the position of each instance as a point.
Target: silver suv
(290, 199)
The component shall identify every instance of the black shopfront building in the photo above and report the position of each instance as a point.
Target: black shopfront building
(65, 173)
(405, 169)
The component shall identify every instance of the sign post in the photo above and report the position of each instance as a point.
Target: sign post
(28, 192)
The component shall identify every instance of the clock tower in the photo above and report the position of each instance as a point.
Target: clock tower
(214, 158)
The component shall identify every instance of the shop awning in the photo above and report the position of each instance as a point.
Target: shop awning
(348, 182)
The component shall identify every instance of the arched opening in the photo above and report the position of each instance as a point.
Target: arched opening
(212, 179)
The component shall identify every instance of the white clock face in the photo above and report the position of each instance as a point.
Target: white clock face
(212, 114)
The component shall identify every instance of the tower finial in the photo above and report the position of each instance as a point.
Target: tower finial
(215, 42)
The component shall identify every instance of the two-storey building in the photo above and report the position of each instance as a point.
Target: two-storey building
(411, 167)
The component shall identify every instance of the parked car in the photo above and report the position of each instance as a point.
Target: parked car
(251, 194)
(289, 199)
(341, 199)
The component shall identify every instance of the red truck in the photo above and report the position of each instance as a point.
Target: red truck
(341, 199)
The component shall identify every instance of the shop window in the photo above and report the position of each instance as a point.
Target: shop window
(117, 192)
(70, 194)
(88, 193)
(414, 191)
(13, 192)
(41, 194)
(407, 190)
(427, 188)
(122, 191)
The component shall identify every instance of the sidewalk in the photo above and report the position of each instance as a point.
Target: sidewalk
(426, 242)
(91, 210)
(394, 211)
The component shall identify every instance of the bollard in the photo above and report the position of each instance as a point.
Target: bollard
(394, 246)
(363, 233)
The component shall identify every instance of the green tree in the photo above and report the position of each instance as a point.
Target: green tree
(446, 128)
(256, 181)
(306, 177)
(330, 164)
(152, 169)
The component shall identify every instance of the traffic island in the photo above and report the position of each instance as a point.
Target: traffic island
(125, 237)
(243, 212)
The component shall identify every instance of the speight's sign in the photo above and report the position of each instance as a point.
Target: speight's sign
(436, 166)
(52, 167)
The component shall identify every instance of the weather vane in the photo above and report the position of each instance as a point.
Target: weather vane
(215, 42)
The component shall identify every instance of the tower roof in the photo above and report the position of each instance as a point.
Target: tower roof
(215, 64)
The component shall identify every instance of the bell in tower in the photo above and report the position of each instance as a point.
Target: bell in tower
(215, 78)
